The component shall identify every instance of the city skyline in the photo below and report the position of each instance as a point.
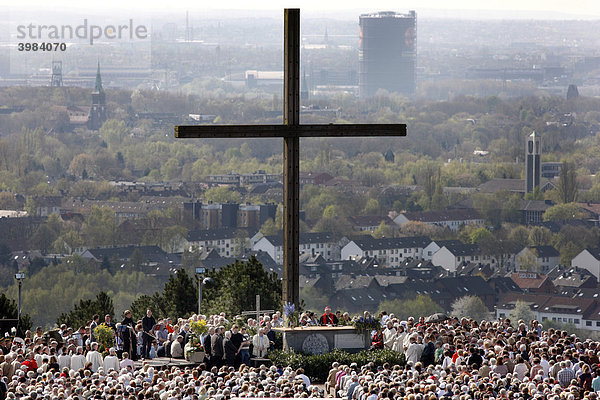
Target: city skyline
(554, 9)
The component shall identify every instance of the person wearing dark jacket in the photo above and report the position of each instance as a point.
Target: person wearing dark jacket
(148, 323)
(216, 344)
(208, 347)
(428, 355)
(129, 337)
(230, 349)
(475, 360)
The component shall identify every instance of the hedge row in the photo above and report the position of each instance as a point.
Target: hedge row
(317, 367)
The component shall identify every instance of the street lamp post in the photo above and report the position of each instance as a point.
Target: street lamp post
(19, 277)
(200, 272)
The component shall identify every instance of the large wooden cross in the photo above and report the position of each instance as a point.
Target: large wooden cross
(291, 131)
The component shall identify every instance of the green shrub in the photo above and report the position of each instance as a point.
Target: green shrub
(316, 367)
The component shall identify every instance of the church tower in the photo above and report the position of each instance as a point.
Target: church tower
(98, 109)
(533, 162)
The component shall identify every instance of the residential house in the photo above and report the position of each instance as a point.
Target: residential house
(314, 243)
(460, 286)
(213, 260)
(227, 241)
(154, 261)
(537, 259)
(510, 185)
(583, 313)
(588, 259)
(450, 256)
(48, 205)
(435, 245)
(533, 282)
(390, 252)
(314, 178)
(532, 211)
(452, 219)
(369, 223)
(572, 277)
(503, 285)
(358, 300)
(592, 211)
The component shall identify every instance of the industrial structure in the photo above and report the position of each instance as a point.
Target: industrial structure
(533, 160)
(387, 53)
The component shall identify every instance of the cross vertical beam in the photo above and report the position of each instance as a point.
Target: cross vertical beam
(291, 158)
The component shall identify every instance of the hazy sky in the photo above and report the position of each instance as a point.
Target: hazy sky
(575, 8)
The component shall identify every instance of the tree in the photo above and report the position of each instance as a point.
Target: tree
(540, 236)
(480, 235)
(528, 261)
(222, 194)
(269, 227)
(338, 226)
(180, 294)
(522, 311)
(562, 212)
(417, 228)
(519, 235)
(567, 183)
(154, 302)
(420, 306)
(371, 208)
(137, 260)
(470, 307)
(236, 286)
(313, 298)
(240, 243)
(82, 313)
(43, 238)
(383, 231)
(5, 254)
(101, 227)
(173, 238)
(9, 309)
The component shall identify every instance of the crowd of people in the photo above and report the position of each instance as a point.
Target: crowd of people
(445, 360)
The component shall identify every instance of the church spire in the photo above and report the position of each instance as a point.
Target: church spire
(98, 88)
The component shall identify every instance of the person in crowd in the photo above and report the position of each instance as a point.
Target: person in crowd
(260, 344)
(94, 357)
(230, 349)
(129, 335)
(148, 323)
(177, 347)
(217, 351)
(328, 318)
(111, 361)
(245, 346)
(108, 322)
(93, 326)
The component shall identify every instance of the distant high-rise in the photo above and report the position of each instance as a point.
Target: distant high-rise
(57, 80)
(98, 110)
(387, 53)
(533, 162)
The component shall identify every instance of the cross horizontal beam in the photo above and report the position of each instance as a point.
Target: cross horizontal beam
(283, 131)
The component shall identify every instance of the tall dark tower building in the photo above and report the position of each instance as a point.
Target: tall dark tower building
(387, 53)
(533, 162)
(98, 109)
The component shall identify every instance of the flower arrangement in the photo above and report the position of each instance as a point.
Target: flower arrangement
(197, 329)
(290, 315)
(105, 337)
(194, 345)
